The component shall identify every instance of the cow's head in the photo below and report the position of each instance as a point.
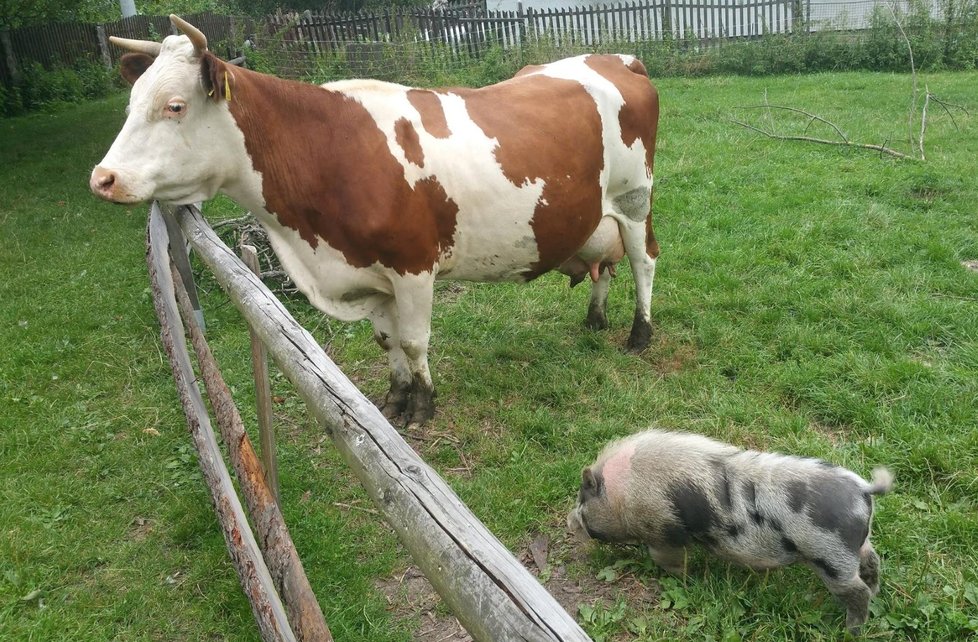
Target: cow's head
(175, 144)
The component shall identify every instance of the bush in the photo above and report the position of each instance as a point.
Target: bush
(41, 88)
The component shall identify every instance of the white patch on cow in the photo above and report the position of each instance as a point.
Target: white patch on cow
(326, 278)
(493, 238)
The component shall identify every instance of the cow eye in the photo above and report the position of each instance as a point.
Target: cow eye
(175, 109)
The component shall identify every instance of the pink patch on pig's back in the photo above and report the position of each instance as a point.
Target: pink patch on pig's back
(616, 470)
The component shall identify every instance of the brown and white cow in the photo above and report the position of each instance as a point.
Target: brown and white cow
(369, 191)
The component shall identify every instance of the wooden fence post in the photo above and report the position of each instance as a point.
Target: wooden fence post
(181, 257)
(8, 55)
(263, 390)
(103, 45)
(667, 20)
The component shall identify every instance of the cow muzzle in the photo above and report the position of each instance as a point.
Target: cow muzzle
(105, 183)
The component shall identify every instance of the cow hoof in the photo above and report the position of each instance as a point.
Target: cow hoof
(420, 408)
(394, 403)
(596, 319)
(641, 335)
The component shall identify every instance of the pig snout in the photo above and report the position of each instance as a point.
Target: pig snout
(575, 526)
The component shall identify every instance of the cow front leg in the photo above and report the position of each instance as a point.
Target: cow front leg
(413, 298)
(597, 315)
(642, 249)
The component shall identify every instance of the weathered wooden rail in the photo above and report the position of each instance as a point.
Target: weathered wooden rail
(494, 597)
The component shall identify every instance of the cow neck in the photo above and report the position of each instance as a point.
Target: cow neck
(290, 138)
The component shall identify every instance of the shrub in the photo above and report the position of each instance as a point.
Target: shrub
(41, 88)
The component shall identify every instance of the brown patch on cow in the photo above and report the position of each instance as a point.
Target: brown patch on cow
(432, 115)
(370, 214)
(527, 70)
(134, 65)
(570, 206)
(639, 116)
(407, 138)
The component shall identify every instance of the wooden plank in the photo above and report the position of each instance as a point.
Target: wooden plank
(181, 258)
(491, 593)
(242, 547)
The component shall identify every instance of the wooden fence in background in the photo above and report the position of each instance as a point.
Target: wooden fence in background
(465, 29)
(66, 44)
(473, 29)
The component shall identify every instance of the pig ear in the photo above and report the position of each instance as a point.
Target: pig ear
(589, 481)
(133, 65)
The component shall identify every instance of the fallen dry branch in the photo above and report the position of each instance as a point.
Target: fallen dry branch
(812, 118)
(883, 149)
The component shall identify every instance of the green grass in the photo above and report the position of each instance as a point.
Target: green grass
(808, 299)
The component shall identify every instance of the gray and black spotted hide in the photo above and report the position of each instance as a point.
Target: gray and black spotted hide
(670, 490)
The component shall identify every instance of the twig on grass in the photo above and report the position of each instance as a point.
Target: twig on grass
(883, 149)
(812, 117)
(914, 91)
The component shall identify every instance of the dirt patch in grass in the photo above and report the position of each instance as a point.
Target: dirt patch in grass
(552, 560)
(140, 528)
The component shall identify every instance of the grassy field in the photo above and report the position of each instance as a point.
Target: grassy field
(808, 299)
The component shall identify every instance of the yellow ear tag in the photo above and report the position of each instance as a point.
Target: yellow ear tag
(227, 87)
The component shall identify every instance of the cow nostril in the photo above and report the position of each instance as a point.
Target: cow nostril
(106, 181)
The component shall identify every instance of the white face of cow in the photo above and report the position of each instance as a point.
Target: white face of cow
(176, 141)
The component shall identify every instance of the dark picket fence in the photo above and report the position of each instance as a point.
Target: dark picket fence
(466, 29)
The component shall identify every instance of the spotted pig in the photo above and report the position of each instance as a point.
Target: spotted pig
(763, 510)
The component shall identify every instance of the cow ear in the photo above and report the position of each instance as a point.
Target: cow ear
(216, 77)
(133, 65)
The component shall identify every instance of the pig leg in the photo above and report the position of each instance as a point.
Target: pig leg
(851, 590)
(869, 567)
(671, 559)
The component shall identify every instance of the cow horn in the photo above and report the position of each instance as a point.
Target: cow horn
(196, 36)
(139, 46)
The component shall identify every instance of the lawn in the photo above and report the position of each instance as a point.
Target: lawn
(809, 299)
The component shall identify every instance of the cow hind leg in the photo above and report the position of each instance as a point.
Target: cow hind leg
(641, 248)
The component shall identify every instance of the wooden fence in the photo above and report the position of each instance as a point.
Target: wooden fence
(458, 29)
(473, 30)
(65, 44)
(465, 29)
(494, 596)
